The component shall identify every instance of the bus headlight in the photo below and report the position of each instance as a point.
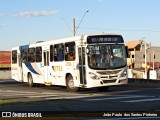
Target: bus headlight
(93, 76)
(124, 73)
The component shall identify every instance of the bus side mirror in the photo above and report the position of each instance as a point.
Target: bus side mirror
(127, 54)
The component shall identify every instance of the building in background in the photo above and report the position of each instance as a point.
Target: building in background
(136, 60)
(5, 60)
(5, 64)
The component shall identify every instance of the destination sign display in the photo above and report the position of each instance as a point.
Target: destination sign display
(105, 39)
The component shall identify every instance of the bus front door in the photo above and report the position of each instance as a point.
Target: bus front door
(82, 68)
(20, 68)
(46, 67)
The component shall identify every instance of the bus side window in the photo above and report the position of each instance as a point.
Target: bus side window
(59, 52)
(25, 55)
(38, 54)
(31, 55)
(14, 56)
(70, 51)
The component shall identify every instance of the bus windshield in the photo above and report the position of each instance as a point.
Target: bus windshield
(106, 56)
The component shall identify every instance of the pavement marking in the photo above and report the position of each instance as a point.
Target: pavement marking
(112, 98)
(52, 96)
(2, 81)
(28, 95)
(121, 92)
(143, 100)
(85, 97)
(44, 95)
(41, 96)
(68, 97)
(13, 92)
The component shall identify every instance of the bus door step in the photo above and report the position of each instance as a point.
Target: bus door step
(48, 84)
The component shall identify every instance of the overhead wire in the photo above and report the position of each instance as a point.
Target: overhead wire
(145, 30)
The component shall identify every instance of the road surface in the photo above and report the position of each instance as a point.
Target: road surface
(54, 101)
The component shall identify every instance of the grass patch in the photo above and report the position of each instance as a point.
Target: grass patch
(3, 102)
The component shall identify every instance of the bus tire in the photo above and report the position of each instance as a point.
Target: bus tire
(30, 81)
(70, 84)
(102, 88)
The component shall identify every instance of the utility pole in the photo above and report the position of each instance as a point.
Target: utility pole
(74, 27)
(145, 52)
(145, 60)
(74, 23)
(153, 59)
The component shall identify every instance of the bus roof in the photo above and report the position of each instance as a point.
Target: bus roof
(67, 39)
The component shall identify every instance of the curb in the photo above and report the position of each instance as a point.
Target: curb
(147, 83)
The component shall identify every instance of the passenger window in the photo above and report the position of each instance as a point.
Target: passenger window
(38, 54)
(31, 55)
(70, 51)
(58, 52)
(25, 55)
(14, 56)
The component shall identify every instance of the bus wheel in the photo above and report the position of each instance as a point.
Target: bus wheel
(70, 84)
(102, 88)
(30, 81)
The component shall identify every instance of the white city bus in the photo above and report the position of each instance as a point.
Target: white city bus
(84, 61)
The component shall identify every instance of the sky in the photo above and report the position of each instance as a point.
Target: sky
(27, 21)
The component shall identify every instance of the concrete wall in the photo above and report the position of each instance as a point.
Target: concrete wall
(139, 59)
(5, 74)
(136, 82)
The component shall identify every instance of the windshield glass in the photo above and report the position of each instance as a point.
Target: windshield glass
(106, 56)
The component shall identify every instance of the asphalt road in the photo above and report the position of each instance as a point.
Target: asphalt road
(54, 101)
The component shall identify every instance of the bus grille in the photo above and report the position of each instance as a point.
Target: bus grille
(109, 72)
(109, 81)
(108, 77)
